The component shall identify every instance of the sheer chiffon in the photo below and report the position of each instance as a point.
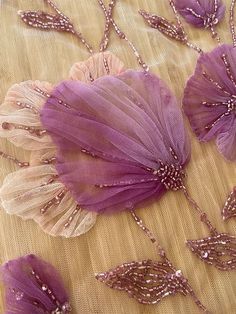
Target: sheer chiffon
(120, 129)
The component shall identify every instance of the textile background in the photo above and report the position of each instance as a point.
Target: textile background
(27, 54)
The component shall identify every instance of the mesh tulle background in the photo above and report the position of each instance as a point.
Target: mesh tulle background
(30, 54)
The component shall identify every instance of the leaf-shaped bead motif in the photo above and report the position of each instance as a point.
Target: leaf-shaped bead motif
(148, 281)
(218, 250)
(164, 26)
(58, 21)
(46, 21)
(229, 209)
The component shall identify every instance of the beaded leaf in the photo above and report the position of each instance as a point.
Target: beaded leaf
(229, 209)
(164, 26)
(58, 22)
(218, 250)
(148, 281)
(46, 21)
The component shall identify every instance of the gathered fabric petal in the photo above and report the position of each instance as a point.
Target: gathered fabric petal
(98, 65)
(210, 99)
(19, 115)
(26, 192)
(226, 141)
(201, 13)
(37, 192)
(120, 128)
(33, 286)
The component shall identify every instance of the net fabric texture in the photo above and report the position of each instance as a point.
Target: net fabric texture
(27, 193)
(28, 54)
(137, 120)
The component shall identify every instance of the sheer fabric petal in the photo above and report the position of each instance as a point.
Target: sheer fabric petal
(20, 110)
(100, 64)
(25, 192)
(27, 280)
(120, 128)
(201, 12)
(226, 140)
(207, 95)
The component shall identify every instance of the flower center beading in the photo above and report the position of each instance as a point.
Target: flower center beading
(231, 106)
(171, 176)
(211, 20)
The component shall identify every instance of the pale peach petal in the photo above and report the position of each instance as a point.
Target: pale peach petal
(40, 157)
(98, 65)
(25, 192)
(20, 109)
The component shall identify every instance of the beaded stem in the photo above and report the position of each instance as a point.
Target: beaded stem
(215, 34)
(212, 24)
(21, 164)
(169, 29)
(177, 16)
(232, 24)
(108, 16)
(202, 214)
(209, 24)
(121, 35)
(149, 234)
(73, 31)
(190, 45)
(218, 249)
(177, 273)
(172, 177)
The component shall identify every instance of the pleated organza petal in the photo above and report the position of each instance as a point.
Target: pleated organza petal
(27, 191)
(207, 97)
(120, 128)
(201, 13)
(28, 281)
(226, 140)
(19, 115)
(98, 65)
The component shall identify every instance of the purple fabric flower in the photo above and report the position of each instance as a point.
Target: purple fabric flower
(33, 287)
(118, 139)
(201, 13)
(210, 99)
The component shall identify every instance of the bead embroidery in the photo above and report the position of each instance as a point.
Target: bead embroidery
(229, 209)
(209, 96)
(25, 279)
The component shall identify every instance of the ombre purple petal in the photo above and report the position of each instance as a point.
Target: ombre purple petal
(33, 286)
(111, 136)
(210, 99)
(226, 141)
(201, 13)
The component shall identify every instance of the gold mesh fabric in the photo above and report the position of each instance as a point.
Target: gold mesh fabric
(30, 54)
